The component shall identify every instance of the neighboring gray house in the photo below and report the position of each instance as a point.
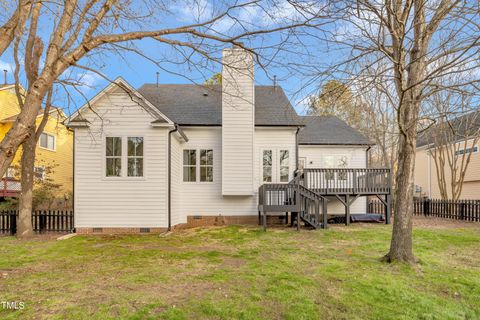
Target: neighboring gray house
(168, 155)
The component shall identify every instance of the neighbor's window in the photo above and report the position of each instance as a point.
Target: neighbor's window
(189, 165)
(267, 165)
(206, 165)
(11, 173)
(284, 168)
(135, 157)
(113, 156)
(47, 141)
(39, 173)
(466, 151)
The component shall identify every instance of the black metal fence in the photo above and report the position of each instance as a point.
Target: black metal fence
(467, 210)
(42, 221)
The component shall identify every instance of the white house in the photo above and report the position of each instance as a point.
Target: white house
(168, 155)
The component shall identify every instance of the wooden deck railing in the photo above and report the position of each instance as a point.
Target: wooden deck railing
(278, 197)
(9, 187)
(328, 181)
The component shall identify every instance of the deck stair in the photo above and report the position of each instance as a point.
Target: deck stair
(305, 196)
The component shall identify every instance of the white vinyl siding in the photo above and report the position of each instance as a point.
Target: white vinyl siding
(124, 201)
(206, 198)
(336, 157)
(238, 113)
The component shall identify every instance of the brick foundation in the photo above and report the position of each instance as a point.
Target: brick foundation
(192, 222)
(118, 231)
(205, 221)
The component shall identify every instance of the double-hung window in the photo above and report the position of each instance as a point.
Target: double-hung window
(206, 165)
(113, 156)
(284, 165)
(189, 165)
(135, 157)
(267, 164)
(47, 141)
(127, 153)
(198, 165)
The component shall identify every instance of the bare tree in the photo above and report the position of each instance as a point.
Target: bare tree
(76, 32)
(420, 41)
(452, 138)
(14, 25)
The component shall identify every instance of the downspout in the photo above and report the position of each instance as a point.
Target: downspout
(367, 159)
(429, 174)
(169, 189)
(296, 149)
(73, 182)
(367, 156)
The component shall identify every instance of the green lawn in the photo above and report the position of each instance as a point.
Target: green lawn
(244, 273)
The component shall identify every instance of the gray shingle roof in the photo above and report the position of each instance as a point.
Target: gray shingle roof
(464, 126)
(329, 130)
(193, 104)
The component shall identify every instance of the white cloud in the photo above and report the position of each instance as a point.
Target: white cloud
(6, 66)
(89, 80)
(249, 16)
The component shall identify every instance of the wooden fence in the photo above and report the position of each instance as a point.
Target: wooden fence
(42, 221)
(467, 210)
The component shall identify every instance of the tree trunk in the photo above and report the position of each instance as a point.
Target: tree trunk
(22, 128)
(401, 248)
(24, 224)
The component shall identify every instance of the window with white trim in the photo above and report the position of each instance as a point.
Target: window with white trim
(135, 157)
(113, 153)
(206, 165)
(267, 165)
(466, 151)
(39, 173)
(284, 165)
(47, 141)
(329, 162)
(342, 162)
(189, 165)
(198, 165)
(275, 165)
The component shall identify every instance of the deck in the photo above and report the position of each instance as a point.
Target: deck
(9, 187)
(307, 195)
(348, 181)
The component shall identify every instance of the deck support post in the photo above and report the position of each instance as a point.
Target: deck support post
(259, 218)
(347, 210)
(264, 221)
(317, 212)
(388, 208)
(298, 221)
(325, 215)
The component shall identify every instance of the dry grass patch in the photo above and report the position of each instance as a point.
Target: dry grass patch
(243, 273)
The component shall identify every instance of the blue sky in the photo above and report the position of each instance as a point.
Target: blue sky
(138, 70)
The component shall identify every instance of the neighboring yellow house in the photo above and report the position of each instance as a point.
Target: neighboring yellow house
(54, 153)
(426, 180)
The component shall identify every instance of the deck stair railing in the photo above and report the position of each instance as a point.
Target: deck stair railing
(304, 197)
(293, 197)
